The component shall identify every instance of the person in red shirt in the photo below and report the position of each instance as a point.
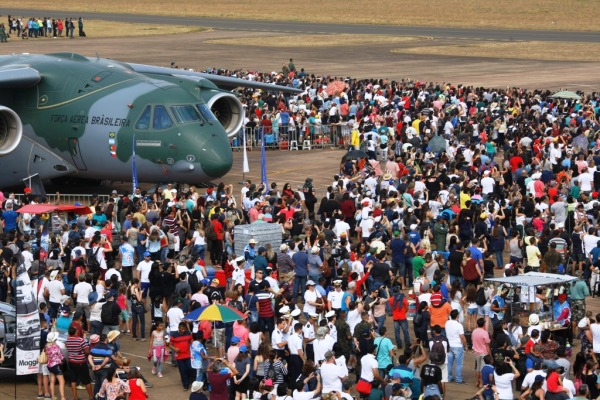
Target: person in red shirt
(535, 335)
(399, 305)
(217, 245)
(180, 343)
(514, 162)
(76, 323)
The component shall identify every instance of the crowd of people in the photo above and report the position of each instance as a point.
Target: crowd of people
(469, 181)
(24, 28)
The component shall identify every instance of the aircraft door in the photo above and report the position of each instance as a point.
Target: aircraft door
(76, 154)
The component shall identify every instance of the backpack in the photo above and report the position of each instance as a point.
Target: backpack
(209, 232)
(106, 315)
(73, 239)
(437, 355)
(480, 299)
(395, 227)
(271, 374)
(418, 320)
(72, 276)
(398, 301)
(92, 260)
(193, 282)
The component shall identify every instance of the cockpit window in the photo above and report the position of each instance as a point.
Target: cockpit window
(185, 114)
(161, 119)
(206, 113)
(144, 121)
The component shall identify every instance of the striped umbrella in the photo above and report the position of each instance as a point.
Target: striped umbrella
(215, 312)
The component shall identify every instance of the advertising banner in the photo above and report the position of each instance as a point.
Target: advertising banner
(28, 324)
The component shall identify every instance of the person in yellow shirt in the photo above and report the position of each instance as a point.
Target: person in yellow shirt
(465, 195)
(355, 137)
(415, 124)
(167, 193)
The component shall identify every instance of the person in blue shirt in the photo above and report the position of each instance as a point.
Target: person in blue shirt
(98, 218)
(413, 235)
(260, 261)
(322, 287)
(300, 259)
(476, 254)
(250, 251)
(398, 247)
(487, 377)
(10, 218)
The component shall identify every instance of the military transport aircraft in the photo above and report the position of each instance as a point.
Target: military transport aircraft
(65, 114)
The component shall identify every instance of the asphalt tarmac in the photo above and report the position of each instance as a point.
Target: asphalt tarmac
(309, 27)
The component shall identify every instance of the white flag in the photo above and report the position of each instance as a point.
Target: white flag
(245, 166)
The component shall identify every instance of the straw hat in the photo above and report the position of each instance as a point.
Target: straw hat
(112, 335)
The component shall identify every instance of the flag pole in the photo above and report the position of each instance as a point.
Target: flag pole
(245, 165)
(134, 178)
(263, 161)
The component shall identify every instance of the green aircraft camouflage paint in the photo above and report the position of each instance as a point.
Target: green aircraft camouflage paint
(66, 114)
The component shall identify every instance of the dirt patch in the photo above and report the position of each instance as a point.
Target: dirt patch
(507, 14)
(544, 51)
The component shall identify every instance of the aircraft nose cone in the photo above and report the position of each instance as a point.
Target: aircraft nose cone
(217, 160)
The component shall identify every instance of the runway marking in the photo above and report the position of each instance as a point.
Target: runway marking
(134, 355)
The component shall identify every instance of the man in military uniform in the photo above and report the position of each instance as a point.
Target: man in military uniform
(3, 35)
(308, 331)
(344, 337)
(579, 291)
(331, 317)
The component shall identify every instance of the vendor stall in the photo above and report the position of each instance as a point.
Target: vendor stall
(539, 293)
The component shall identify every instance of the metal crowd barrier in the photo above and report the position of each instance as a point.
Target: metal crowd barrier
(294, 138)
(84, 199)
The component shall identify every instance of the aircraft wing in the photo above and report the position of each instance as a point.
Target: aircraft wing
(224, 82)
(18, 76)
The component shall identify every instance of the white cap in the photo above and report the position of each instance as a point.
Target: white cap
(583, 323)
(313, 315)
(52, 337)
(284, 247)
(486, 172)
(330, 314)
(284, 310)
(240, 259)
(315, 249)
(53, 274)
(170, 204)
(310, 282)
(296, 312)
(337, 282)
(413, 227)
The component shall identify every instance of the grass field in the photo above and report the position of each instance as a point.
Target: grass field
(555, 51)
(576, 15)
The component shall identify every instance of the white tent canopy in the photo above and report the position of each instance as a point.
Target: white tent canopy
(534, 279)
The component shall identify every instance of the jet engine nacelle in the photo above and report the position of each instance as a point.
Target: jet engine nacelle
(11, 130)
(228, 110)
